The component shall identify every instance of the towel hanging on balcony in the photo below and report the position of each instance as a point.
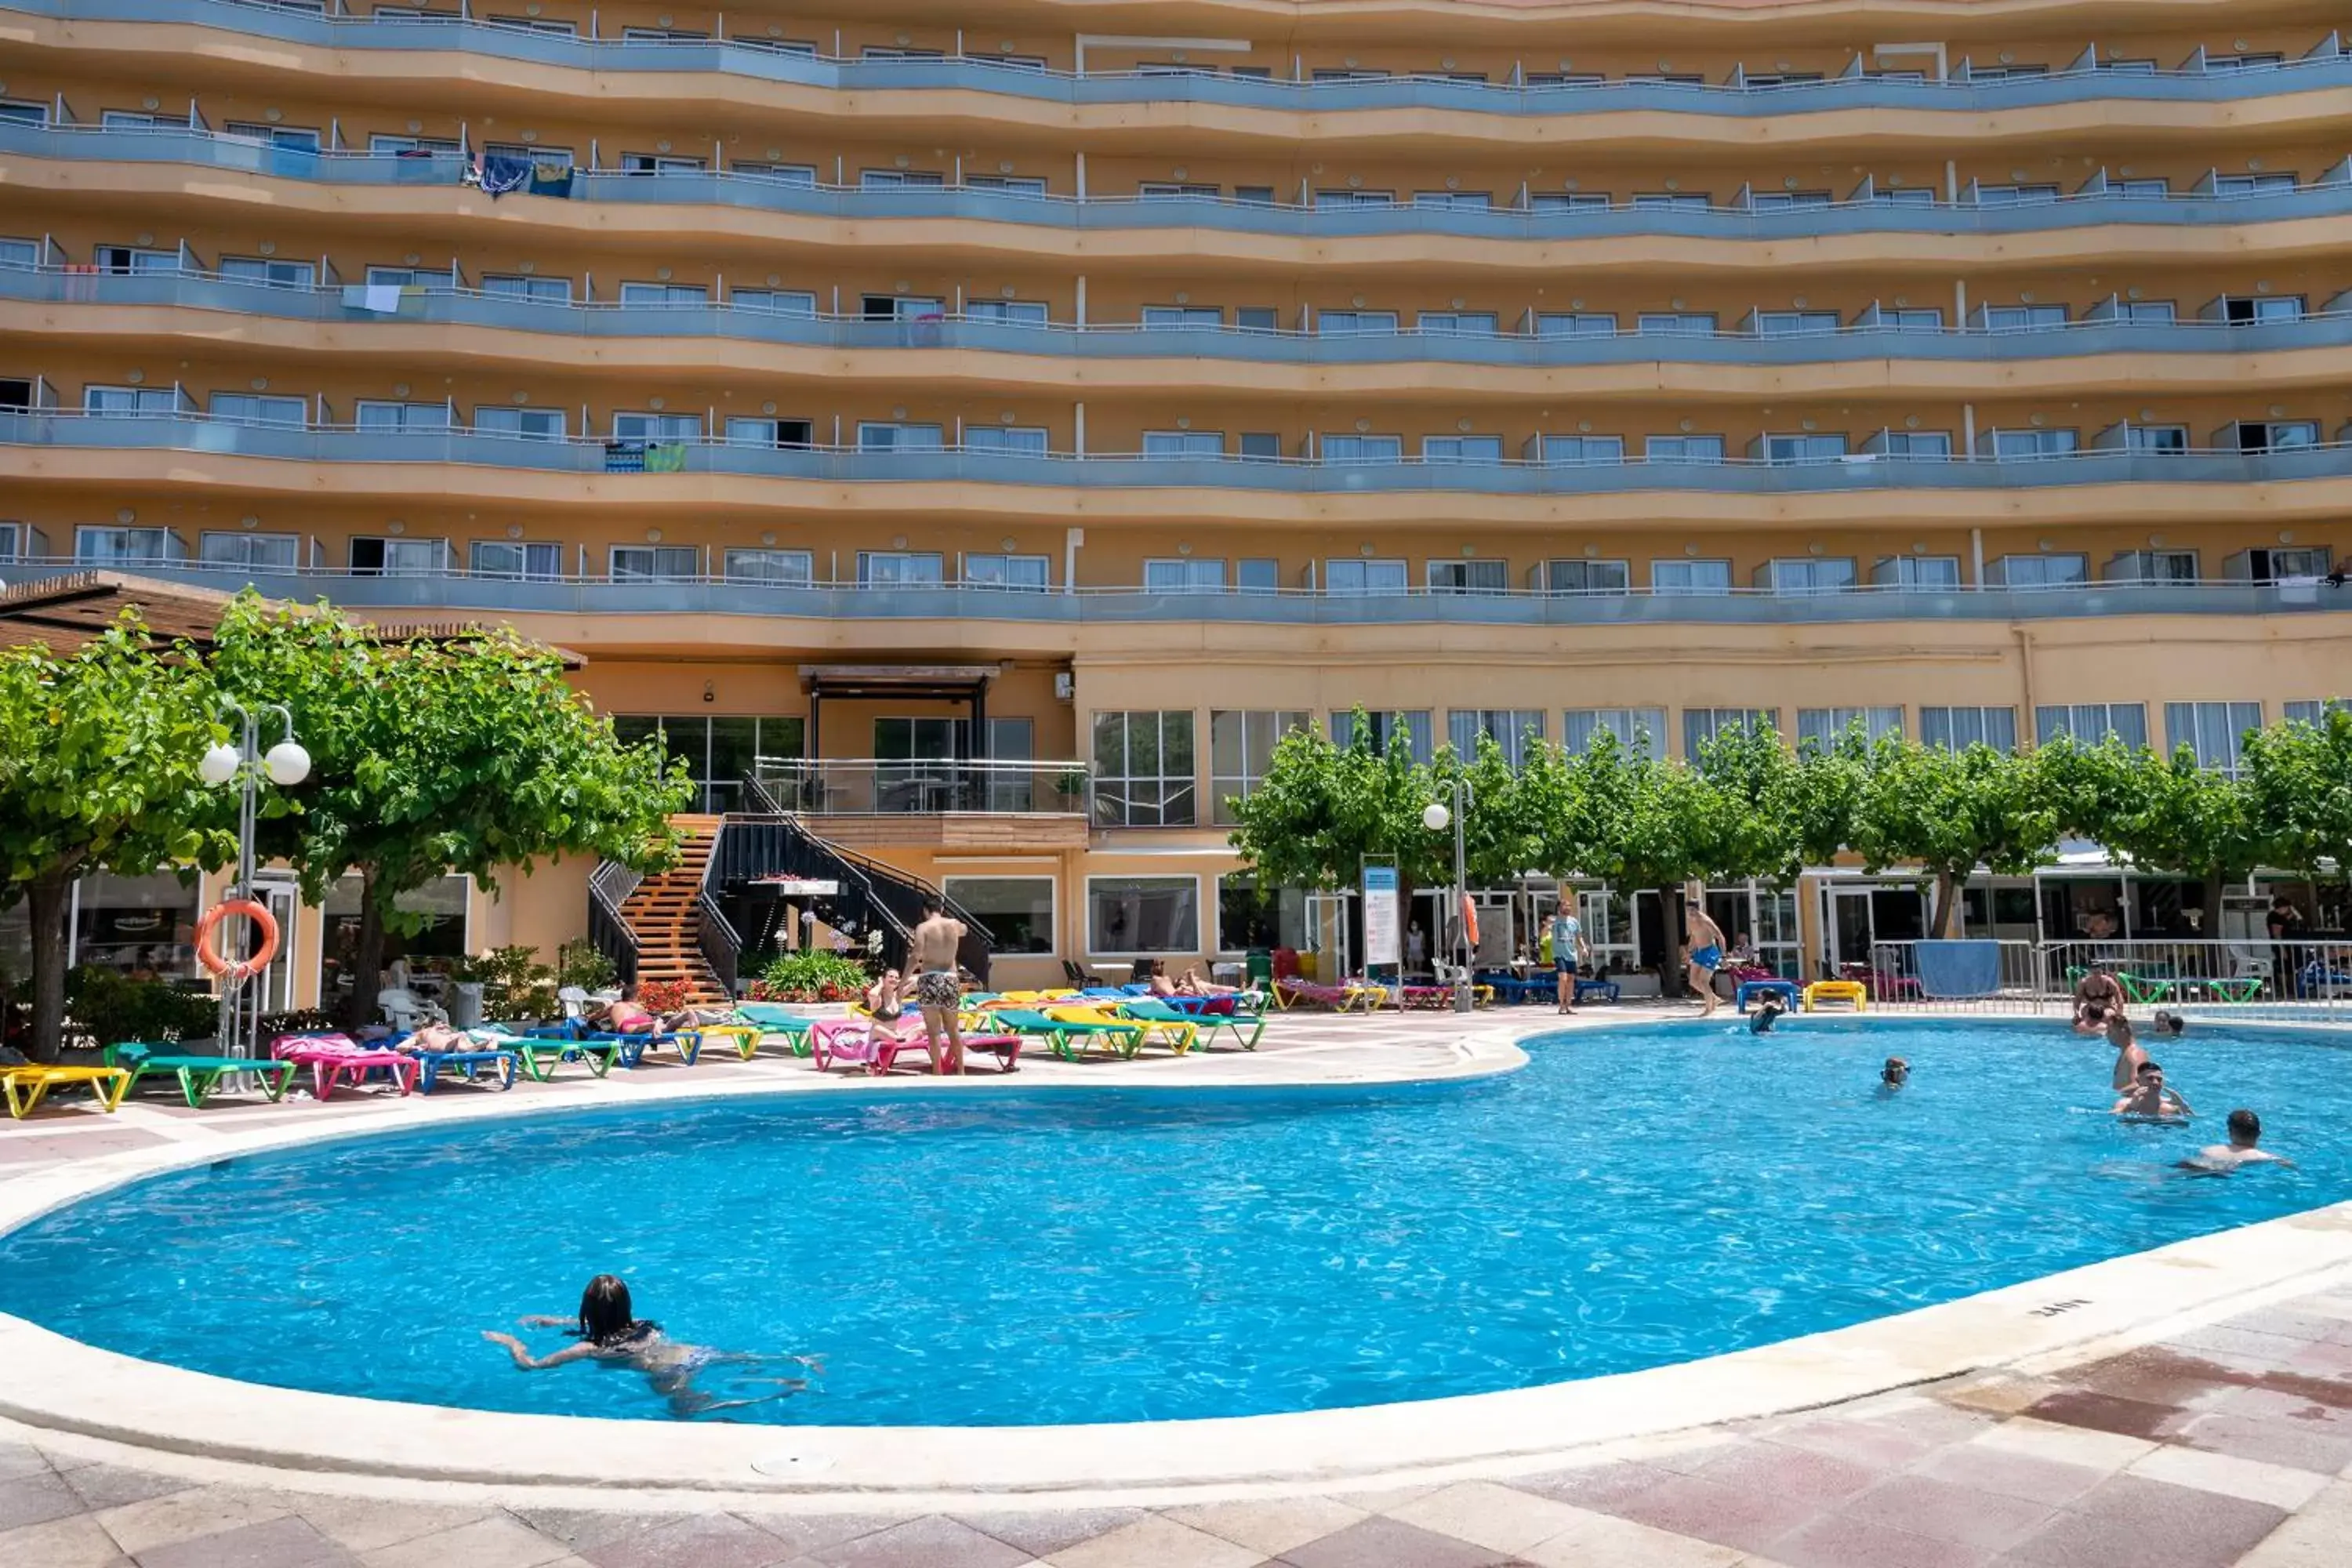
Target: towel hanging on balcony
(551, 180)
(666, 457)
(497, 173)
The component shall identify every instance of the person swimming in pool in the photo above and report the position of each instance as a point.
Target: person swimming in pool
(2171, 1025)
(2149, 1101)
(1895, 1074)
(608, 1329)
(1768, 1011)
(2129, 1057)
(2098, 996)
(2243, 1149)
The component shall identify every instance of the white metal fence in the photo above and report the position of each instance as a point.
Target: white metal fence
(2256, 978)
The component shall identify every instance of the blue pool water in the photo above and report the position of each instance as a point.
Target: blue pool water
(1633, 1197)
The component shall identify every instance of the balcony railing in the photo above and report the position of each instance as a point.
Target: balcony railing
(2329, 195)
(761, 58)
(869, 786)
(474, 309)
(649, 462)
(479, 594)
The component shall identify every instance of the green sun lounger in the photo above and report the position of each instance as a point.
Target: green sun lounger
(548, 1047)
(1070, 1037)
(197, 1075)
(770, 1018)
(1245, 1028)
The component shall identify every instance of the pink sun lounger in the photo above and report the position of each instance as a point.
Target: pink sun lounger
(860, 1042)
(333, 1059)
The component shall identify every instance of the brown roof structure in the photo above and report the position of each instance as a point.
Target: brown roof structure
(67, 611)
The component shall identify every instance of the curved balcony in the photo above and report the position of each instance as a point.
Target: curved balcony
(762, 72)
(1099, 358)
(602, 596)
(2109, 226)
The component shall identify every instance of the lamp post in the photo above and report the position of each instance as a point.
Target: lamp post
(243, 764)
(1436, 817)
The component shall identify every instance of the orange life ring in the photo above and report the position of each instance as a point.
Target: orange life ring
(1470, 923)
(240, 970)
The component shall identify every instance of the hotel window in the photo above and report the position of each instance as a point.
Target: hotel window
(2064, 569)
(18, 112)
(532, 24)
(135, 120)
(1904, 197)
(1143, 915)
(529, 153)
(801, 174)
(1803, 448)
(2161, 567)
(655, 163)
(2278, 565)
(2023, 318)
(901, 568)
(382, 143)
(1355, 198)
(1912, 318)
(2271, 435)
(882, 52)
(1197, 317)
(130, 400)
(2164, 439)
(1585, 578)
(1144, 771)
(1469, 577)
(1183, 443)
(1257, 575)
(1577, 324)
(665, 294)
(1017, 910)
(1384, 728)
(2218, 64)
(253, 552)
(1260, 444)
(718, 752)
(1458, 323)
(1566, 201)
(20, 253)
(2142, 188)
(1364, 449)
(1639, 732)
(370, 415)
(777, 302)
(1916, 572)
(269, 274)
(1259, 195)
(1781, 201)
(1670, 201)
(1795, 323)
(1676, 323)
(2252, 185)
(1931, 444)
(776, 568)
(371, 557)
(1021, 572)
(1257, 319)
(2312, 713)
(133, 259)
(656, 562)
(2015, 195)
(1957, 728)
(1011, 184)
(1176, 190)
(1671, 575)
(1007, 312)
(1007, 440)
(1356, 575)
(2245, 310)
(632, 426)
(2034, 443)
(1570, 449)
(1562, 79)
(1802, 574)
(1516, 730)
(1825, 727)
(249, 408)
(1473, 199)
(285, 138)
(112, 546)
(1249, 916)
(1354, 324)
(1701, 725)
(2003, 73)
(2215, 732)
(1185, 575)
(793, 435)
(875, 435)
(523, 424)
(2090, 723)
(514, 558)
(1682, 449)
(2147, 312)
(1461, 448)
(1241, 747)
(430, 279)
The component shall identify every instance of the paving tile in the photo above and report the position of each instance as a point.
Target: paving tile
(363, 1524)
(497, 1541)
(1789, 1473)
(2001, 1395)
(285, 1543)
(19, 1459)
(2321, 1401)
(1388, 1543)
(2101, 1451)
(2277, 1485)
(2105, 1413)
(2288, 1322)
(1934, 1420)
(934, 1542)
(1485, 1513)
(1983, 1467)
(1154, 1542)
(75, 1542)
(1600, 1542)
(579, 1527)
(1842, 1541)
(2157, 1375)
(810, 1533)
(713, 1541)
(2126, 1521)
(103, 1486)
(1873, 1444)
(2273, 1442)
(1945, 1510)
(36, 1499)
(140, 1527)
(2299, 1543)
(1041, 1532)
(1271, 1527)
(1728, 1515)
(2268, 1348)
(1594, 1486)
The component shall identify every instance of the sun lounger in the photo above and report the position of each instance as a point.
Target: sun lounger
(24, 1087)
(744, 1038)
(197, 1075)
(1070, 1037)
(862, 1042)
(1437, 997)
(336, 1058)
(1289, 991)
(1786, 990)
(1168, 1027)
(1245, 1028)
(1852, 991)
(769, 1018)
(543, 1047)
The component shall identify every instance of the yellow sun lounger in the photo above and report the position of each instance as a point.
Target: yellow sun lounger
(24, 1087)
(1176, 1034)
(1852, 991)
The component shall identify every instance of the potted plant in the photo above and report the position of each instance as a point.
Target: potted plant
(811, 984)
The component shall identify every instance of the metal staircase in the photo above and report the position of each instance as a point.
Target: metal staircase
(660, 917)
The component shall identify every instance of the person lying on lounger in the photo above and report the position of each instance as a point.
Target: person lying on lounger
(607, 1329)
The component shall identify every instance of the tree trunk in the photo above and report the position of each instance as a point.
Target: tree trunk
(2209, 925)
(50, 895)
(1674, 964)
(1947, 906)
(367, 959)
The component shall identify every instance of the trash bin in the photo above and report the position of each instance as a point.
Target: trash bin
(466, 1003)
(1258, 965)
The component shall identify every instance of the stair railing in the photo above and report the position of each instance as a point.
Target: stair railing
(609, 887)
(714, 934)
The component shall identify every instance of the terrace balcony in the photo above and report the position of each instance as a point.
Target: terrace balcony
(972, 804)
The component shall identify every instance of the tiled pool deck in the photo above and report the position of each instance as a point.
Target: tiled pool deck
(2225, 1444)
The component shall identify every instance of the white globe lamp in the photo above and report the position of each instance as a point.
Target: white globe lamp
(287, 763)
(218, 765)
(1435, 817)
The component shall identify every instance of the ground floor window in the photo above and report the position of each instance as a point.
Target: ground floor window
(143, 926)
(1143, 914)
(1017, 910)
(441, 903)
(1249, 916)
(721, 751)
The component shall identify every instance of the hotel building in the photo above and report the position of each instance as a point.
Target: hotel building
(985, 428)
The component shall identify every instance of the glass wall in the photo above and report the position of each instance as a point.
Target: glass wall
(719, 750)
(1143, 915)
(441, 902)
(1248, 917)
(1017, 910)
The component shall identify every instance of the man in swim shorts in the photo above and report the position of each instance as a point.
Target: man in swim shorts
(2149, 1101)
(2246, 1134)
(938, 987)
(1567, 951)
(1706, 956)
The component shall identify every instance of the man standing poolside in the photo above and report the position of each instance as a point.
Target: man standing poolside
(937, 989)
(1568, 952)
(1705, 939)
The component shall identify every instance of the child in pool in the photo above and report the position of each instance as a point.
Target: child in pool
(607, 1329)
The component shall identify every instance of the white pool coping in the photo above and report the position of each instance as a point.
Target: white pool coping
(52, 1383)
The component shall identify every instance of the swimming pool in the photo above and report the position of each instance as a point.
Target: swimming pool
(1635, 1196)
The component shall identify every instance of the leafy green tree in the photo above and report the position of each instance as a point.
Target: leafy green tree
(2299, 787)
(2163, 814)
(1950, 812)
(1647, 823)
(98, 771)
(431, 757)
(1322, 810)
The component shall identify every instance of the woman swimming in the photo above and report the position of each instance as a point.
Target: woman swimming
(608, 1329)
